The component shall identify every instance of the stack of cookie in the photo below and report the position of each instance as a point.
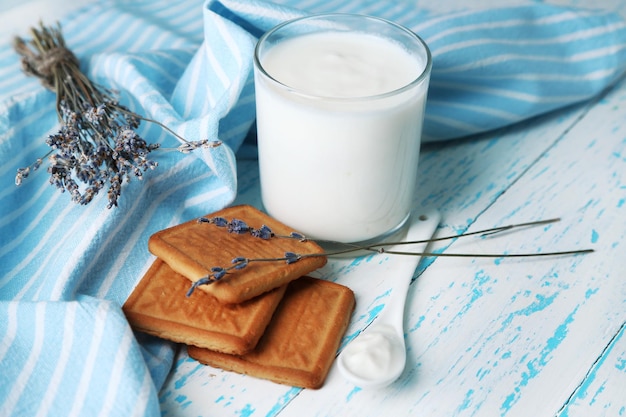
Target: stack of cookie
(267, 319)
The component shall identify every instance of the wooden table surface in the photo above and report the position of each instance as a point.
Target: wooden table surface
(485, 337)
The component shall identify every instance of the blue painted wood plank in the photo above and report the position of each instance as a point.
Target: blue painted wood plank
(603, 391)
(485, 337)
(517, 337)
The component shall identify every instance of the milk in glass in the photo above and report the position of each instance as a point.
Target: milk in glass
(339, 119)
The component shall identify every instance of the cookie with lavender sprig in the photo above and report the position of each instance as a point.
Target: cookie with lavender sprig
(237, 253)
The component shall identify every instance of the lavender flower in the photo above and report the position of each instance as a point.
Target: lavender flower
(264, 232)
(97, 143)
(188, 147)
(240, 262)
(240, 227)
(218, 273)
(299, 236)
(292, 257)
(220, 222)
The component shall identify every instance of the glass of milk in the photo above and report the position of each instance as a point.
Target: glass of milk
(340, 104)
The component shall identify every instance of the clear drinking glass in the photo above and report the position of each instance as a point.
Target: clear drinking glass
(340, 103)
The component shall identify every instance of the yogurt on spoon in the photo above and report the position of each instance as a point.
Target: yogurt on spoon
(377, 356)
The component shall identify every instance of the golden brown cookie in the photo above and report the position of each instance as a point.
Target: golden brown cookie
(159, 306)
(193, 248)
(301, 341)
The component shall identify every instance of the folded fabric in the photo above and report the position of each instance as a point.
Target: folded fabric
(65, 270)
(492, 67)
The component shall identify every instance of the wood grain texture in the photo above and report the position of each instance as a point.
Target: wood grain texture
(601, 393)
(486, 337)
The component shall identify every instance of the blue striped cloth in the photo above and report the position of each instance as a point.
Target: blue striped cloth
(65, 270)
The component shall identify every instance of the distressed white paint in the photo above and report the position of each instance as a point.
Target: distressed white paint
(486, 337)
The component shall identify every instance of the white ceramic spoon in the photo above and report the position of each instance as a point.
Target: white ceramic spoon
(377, 356)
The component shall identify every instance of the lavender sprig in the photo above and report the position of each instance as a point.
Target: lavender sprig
(240, 262)
(238, 226)
(97, 143)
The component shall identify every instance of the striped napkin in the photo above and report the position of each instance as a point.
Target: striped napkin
(65, 270)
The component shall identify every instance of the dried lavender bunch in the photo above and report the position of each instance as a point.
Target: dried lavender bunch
(238, 226)
(97, 144)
